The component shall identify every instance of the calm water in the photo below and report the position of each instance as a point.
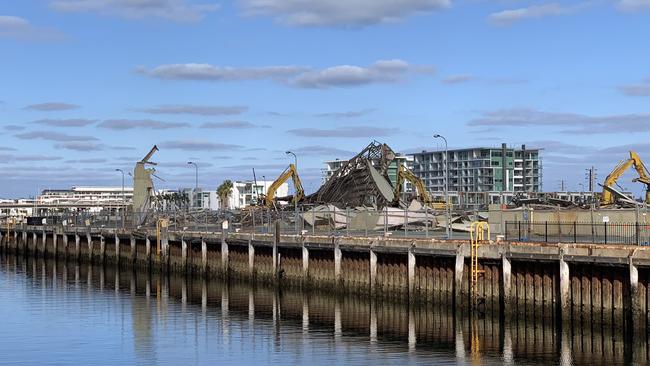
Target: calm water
(57, 314)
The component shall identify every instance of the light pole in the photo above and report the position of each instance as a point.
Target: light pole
(264, 185)
(123, 197)
(447, 215)
(295, 197)
(196, 181)
(295, 158)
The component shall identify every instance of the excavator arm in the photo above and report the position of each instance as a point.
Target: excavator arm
(292, 173)
(403, 175)
(634, 160)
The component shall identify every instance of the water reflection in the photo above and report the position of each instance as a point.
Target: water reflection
(176, 320)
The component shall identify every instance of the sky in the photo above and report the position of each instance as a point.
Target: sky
(89, 86)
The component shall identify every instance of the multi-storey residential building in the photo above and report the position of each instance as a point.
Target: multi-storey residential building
(480, 175)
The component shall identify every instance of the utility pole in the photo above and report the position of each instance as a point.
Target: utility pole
(447, 213)
(591, 178)
(295, 197)
(196, 181)
(123, 197)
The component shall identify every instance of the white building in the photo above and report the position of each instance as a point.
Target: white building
(86, 195)
(330, 167)
(245, 193)
(199, 198)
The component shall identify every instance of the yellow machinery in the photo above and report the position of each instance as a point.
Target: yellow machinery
(290, 172)
(403, 174)
(634, 160)
(477, 238)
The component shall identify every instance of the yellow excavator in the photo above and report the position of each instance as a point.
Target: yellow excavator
(404, 174)
(634, 160)
(290, 172)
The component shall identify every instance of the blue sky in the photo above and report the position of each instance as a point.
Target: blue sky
(89, 86)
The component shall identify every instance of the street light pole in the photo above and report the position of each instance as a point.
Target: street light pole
(196, 181)
(264, 185)
(295, 198)
(447, 213)
(123, 197)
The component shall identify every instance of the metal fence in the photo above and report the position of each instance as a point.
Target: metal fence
(331, 221)
(634, 233)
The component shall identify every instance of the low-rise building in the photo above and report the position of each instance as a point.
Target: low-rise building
(246, 193)
(86, 195)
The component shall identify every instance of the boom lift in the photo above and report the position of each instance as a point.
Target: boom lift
(634, 160)
(290, 172)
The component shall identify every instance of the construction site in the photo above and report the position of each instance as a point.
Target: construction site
(376, 192)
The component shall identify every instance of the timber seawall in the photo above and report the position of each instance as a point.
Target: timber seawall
(585, 283)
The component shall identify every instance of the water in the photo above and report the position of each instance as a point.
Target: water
(57, 314)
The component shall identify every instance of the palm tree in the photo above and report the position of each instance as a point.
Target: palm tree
(224, 191)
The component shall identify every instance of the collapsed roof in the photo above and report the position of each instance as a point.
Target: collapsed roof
(361, 181)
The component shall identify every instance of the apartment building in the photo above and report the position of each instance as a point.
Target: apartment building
(480, 175)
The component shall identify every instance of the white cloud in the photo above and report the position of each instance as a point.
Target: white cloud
(344, 132)
(573, 123)
(51, 107)
(641, 89)
(128, 124)
(232, 125)
(20, 28)
(53, 136)
(340, 13)
(74, 122)
(323, 151)
(633, 5)
(198, 145)
(174, 10)
(382, 71)
(207, 72)
(508, 17)
(202, 110)
(346, 114)
(457, 79)
(80, 146)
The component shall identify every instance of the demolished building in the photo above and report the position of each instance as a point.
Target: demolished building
(362, 181)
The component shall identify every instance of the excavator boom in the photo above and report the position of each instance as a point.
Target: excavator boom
(290, 172)
(634, 160)
(403, 175)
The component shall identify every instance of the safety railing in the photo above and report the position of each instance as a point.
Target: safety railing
(630, 233)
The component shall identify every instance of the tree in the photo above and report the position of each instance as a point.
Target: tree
(224, 191)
